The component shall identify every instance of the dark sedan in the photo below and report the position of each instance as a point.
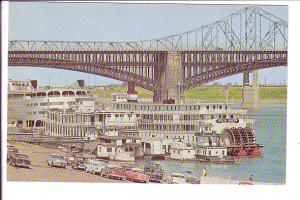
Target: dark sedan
(20, 160)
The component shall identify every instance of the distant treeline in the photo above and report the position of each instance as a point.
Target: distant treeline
(211, 93)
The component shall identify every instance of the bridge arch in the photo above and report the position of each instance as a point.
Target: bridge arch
(223, 72)
(90, 68)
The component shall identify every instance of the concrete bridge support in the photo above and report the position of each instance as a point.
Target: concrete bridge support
(171, 78)
(250, 94)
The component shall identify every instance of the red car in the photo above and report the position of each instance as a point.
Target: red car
(115, 172)
(137, 175)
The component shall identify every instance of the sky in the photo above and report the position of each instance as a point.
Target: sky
(114, 22)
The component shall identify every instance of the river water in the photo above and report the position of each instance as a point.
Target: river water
(270, 128)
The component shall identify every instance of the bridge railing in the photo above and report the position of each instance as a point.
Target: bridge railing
(251, 28)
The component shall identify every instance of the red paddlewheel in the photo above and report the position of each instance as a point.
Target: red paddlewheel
(242, 152)
(256, 152)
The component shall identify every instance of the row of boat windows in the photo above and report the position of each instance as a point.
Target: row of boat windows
(187, 138)
(168, 127)
(178, 151)
(167, 107)
(49, 94)
(51, 103)
(209, 152)
(32, 123)
(183, 117)
(58, 93)
(78, 118)
(127, 128)
(66, 131)
(39, 112)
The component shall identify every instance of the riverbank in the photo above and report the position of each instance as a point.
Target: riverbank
(268, 94)
(41, 172)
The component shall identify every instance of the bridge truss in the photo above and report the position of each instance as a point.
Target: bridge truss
(248, 39)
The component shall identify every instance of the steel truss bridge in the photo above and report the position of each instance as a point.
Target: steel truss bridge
(247, 40)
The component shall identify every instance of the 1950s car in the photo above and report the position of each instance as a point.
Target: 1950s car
(79, 164)
(95, 166)
(137, 175)
(155, 172)
(55, 160)
(189, 178)
(178, 178)
(115, 172)
(19, 160)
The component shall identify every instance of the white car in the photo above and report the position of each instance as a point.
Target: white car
(177, 178)
(56, 161)
(95, 166)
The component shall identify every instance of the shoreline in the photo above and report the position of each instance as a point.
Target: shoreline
(38, 155)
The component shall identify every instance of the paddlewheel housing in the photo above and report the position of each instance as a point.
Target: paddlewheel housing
(241, 142)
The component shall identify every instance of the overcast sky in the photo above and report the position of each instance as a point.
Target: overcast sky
(114, 22)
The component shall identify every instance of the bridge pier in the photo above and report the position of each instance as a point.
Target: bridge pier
(250, 94)
(171, 80)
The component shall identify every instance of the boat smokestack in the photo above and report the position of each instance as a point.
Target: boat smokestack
(131, 87)
(80, 83)
(34, 84)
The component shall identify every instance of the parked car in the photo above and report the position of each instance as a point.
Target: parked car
(189, 178)
(246, 183)
(151, 166)
(137, 175)
(70, 160)
(19, 160)
(11, 151)
(115, 172)
(95, 166)
(55, 160)
(79, 163)
(155, 172)
(192, 180)
(157, 177)
(178, 178)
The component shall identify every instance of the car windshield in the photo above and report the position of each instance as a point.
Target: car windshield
(114, 167)
(22, 156)
(138, 170)
(98, 163)
(57, 157)
(178, 176)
